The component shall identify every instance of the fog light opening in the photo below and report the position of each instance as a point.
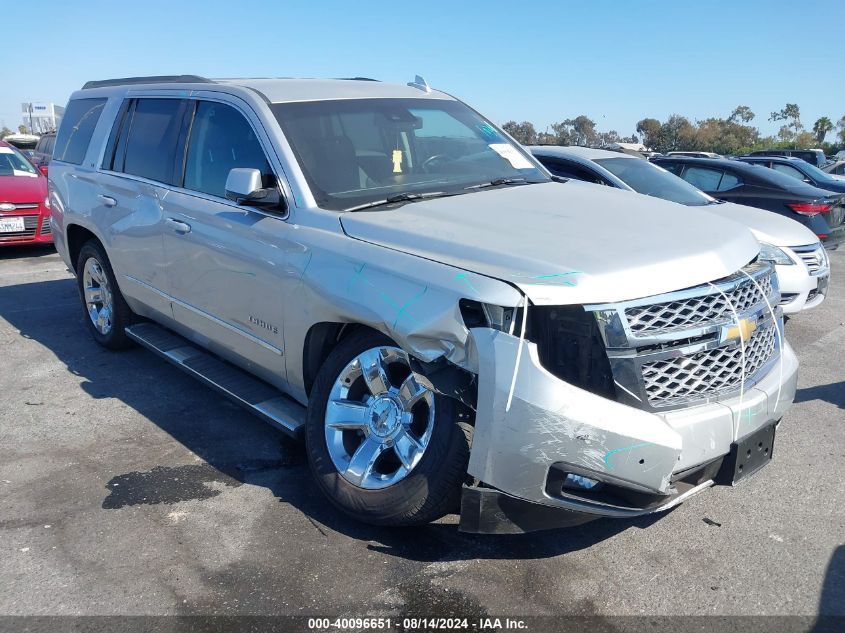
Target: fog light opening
(579, 482)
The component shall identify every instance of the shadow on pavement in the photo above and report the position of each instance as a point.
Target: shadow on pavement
(26, 251)
(832, 601)
(237, 447)
(833, 393)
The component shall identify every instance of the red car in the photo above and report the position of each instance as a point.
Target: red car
(24, 201)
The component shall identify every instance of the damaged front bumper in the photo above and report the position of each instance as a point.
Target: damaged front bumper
(645, 462)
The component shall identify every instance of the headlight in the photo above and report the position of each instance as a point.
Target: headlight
(477, 314)
(47, 202)
(775, 255)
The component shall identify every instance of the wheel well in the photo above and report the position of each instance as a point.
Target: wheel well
(76, 237)
(321, 339)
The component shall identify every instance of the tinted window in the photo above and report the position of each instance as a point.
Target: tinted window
(651, 180)
(704, 179)
(566, 169)
(221, 139)
(675, 168)
(76, 129)
(839, 169)
(788, 170)
(151, 143)
(729, 181)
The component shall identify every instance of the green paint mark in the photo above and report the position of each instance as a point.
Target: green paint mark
(408, 305)
(307, 264)
(359, 272)
(571, 272)
(467, 281)
(620, 450)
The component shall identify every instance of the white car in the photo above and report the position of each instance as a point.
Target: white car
(802, 264)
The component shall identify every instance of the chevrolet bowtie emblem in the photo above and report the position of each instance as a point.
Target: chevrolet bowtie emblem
(742, 330)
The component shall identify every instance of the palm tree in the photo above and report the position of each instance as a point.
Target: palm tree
(821, 128)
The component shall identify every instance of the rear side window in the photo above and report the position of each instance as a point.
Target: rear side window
(729, 181)
(703, 178)
(221, 140)
(153, 133)
(788, 170)
(76, 129)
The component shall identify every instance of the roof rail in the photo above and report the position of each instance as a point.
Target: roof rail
(357, 79)
(155, 79)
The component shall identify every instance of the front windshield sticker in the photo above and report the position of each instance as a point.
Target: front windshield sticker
(510, 154)
(489, 132)
(397, 161)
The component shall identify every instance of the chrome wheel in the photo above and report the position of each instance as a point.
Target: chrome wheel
(98, 296)
(379, 418)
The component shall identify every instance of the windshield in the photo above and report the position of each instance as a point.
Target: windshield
(13, 163)
(644, 177)
(357, 151)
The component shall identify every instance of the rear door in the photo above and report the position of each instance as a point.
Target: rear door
(138, 167)
(226, 262)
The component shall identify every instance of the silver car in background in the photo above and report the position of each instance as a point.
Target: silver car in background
(380, 269)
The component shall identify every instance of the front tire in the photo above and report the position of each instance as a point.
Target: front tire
(383, 446)
(106, 312)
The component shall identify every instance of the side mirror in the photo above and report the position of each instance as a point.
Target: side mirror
(244, 186)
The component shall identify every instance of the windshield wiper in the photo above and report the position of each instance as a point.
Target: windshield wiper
(498, 182)
(401, 197)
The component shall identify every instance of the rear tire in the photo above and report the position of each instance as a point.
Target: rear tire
(105, 310)
(390, 451)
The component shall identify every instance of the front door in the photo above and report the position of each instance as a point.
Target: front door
(224, 262)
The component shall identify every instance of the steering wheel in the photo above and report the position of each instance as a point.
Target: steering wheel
(432, 160)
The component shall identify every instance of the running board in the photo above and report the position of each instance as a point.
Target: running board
(255, 395)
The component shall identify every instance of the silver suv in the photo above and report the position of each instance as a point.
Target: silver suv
(381, 269)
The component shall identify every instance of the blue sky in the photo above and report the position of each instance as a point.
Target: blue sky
(615, 61)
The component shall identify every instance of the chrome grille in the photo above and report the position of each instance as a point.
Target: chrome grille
(24, 205)
(696, 311)
(682, 348)
(813, 257)
(707, 373)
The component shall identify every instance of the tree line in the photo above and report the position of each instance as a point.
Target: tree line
(731, 135)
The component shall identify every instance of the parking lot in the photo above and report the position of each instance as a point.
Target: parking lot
(129, 488)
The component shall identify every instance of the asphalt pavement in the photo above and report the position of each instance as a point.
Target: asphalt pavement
(127, 487)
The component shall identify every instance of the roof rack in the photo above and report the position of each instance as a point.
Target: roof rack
(155, 79)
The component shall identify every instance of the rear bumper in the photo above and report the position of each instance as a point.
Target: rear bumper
(651, 461)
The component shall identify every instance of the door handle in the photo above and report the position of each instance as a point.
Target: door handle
(178, 226)
(107, 201)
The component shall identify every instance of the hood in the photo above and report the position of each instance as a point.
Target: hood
(19, 189)
(766, 226)
(565, 243)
